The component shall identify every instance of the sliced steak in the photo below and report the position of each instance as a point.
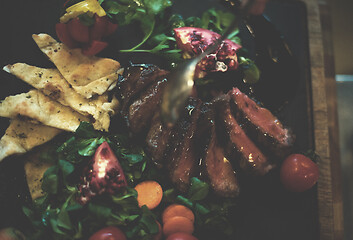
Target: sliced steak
(216, 168)
(249, 157)
(181, 159)
(136, 78)
(157, 139)
(142, 109)
(262, 125)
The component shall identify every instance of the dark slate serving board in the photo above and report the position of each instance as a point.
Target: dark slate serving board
(266, 210)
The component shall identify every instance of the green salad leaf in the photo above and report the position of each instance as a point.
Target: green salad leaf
(51, 180)
(198, 190)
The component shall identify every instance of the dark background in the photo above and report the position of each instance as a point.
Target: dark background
(266, 210)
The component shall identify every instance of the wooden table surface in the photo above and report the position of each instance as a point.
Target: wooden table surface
(325, 119)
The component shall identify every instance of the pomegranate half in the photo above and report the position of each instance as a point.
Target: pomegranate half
(193, 41)
(103, 174)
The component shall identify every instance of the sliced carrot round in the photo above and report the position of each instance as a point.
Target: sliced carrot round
(178, 224)
(149, 193)
(177, 210)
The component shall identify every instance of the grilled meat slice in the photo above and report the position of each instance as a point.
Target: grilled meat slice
(263, 125)
(136, 78)
(216, 167)
(181, 158)
(142, 109)
(157, 139)
(250, 157)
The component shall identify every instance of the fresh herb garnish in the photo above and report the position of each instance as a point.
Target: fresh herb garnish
(144, 12)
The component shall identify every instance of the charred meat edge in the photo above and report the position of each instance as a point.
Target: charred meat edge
(262, 125)
(216, 168)
(157, 139)
(248, 156)
(141, 110)
(136, 79)
(182, 158)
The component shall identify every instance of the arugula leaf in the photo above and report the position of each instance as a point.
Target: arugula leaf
(66, 167)
(132, 158)
(68, 145)
(87, 147)
(156, 7)
(83, 144)
(198, 190)
(144, 227)
(51, 180)
(176, 21)
(63, 220)
(194, 22)
(149, 220)
(51, 219)
(99, 212)
(86, 130)
(251, 71)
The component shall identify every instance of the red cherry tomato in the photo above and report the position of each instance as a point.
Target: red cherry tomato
(99, 27)
(64, 36)
(181, 236)
(11, 234)
(78, 30)
(94, 48)
(110, 29)
(299, 173)
(108, 233)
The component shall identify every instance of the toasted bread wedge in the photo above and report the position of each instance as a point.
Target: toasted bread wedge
(88, 75)
(37, 106)
(52, 84)
(22, 136)
(35, 169)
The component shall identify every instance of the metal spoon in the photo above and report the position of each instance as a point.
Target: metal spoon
(181, 79)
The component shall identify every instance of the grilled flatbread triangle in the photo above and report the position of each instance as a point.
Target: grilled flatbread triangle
(22, 136)
(88, 75)
(53, 84)
(35, 105)
(35, 169)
